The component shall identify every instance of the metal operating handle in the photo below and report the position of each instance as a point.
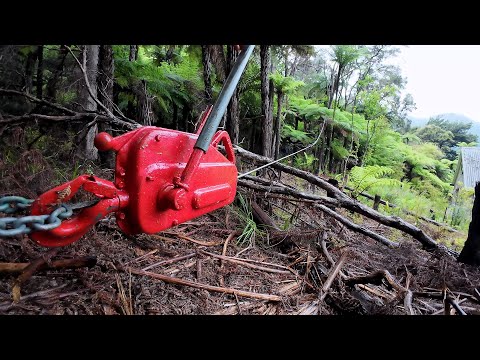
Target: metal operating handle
(205, 137)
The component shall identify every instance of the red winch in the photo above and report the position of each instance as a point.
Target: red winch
(163, 177)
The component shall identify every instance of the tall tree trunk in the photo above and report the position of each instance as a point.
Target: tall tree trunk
(336, 85)
(278, 126)
(319, 154)
(331, 90)
(86, 148)
(51, 89)
(328, 147)
(207, 77)
(144, 104)
(267, 114)
(175, 116)
(252, 136)
(185, 117)
(331, 160)
(169, 54)
(233, 110)
(133, 56)
(217, 57)
(131, 111)
(470, 253)
(105, 82)
(40, 72)
(29, 69)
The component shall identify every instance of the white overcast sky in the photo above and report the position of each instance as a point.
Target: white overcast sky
(441, 78)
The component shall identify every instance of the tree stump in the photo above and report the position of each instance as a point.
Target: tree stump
(471, 251)
(376, 202)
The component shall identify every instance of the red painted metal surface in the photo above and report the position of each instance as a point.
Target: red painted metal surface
(154, 188)
(73, 229)
(149, 167)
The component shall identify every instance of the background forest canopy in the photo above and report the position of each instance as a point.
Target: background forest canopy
(287, 95)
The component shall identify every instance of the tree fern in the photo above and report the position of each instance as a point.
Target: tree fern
(296, 135)
(363, 178)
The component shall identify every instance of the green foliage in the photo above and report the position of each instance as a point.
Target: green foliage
(285, 84)
(461, 211)
(175, 82)
(294, 135)
(338, 151)
(247, 226)
(304, 161)
(447, 135)
(363, 178)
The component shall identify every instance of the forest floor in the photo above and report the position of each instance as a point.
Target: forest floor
(317, 266)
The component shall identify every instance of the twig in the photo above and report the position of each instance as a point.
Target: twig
(29, 271)
(169, 261)
(85, 261)
(374, 291)
(333, 273)
(41, 293)
(439, 295)
(456, 306)
(199, 269)
(407, 302)
(238, 304)
(352, 226)
(37, 100)
(323, 245)
(219, 289)
(243, 263)
(269, 264)
(199, 242)
(477, 294)
(90, 92)
(142, 256)
(224, 252)
(376, 278)
(446, 303)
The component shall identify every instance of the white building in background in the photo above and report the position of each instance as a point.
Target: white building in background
(468, 169)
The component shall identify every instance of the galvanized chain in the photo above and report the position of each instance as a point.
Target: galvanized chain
(11, 226)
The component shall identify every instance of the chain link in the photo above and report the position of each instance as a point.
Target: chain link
(12, 204)
(11, 226)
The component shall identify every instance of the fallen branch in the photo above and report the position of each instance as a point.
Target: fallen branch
(218, 289)
(439, 295)
(456, 306)
(408, 212)
(333, 274)
(323, 245)
(261, 217)
(376, 279)
(85, 261)
(348, 203)
(332, 202)
(352, 226)
(282, 189)
(29, 271)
